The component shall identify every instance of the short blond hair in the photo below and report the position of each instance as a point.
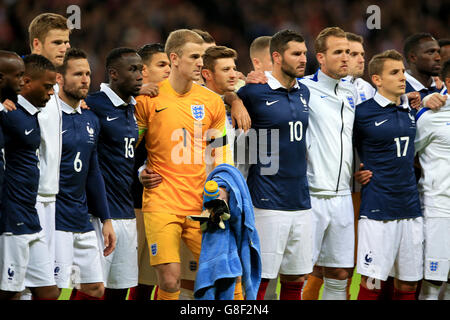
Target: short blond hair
(320, 45)
(376, 64)
(259, 44)
(41, 25)
(178, 38)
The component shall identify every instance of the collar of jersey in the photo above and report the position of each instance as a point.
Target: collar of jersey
(325, 80)
(416, 83)
(27, 105)
(115, 99)
(384, 102)
(68, 109)
(274, 84)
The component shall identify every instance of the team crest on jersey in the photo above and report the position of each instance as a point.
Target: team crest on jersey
(154, 249)
(90, 132)
(413, 120)
(198, 111)
(434, 266)
(10, 273)
(368, 258)
(351, 101)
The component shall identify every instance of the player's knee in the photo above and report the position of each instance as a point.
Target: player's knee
(338, 273)
(405, 285)
(47, 293)
(93, 289)
(292, 278)
(170, 283)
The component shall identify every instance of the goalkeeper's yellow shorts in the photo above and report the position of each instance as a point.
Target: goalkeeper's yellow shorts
(164, 233)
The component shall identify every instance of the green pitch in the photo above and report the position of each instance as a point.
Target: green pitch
(354, 289)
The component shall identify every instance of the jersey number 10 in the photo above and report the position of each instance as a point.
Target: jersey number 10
(296, 130)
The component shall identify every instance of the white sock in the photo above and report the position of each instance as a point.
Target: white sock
(444, 294)
(429, 291)
(334, 289)
(25, 294)
(186, 294)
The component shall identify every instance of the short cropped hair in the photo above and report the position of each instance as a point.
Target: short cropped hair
(43, 23)
(411, 42)
(443, 42)
(207, 38)
(71, 54)
(147, 51)
(217, 52)
(376, 64)
(445, 71)
(280, 40)
(115, 54)
(36, 65)
(178, 38)
(320, 44)
(259, 44)
(354, 37)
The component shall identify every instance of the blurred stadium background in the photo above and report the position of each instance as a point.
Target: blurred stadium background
(106, 24)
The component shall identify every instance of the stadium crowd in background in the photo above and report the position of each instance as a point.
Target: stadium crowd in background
(71, 129)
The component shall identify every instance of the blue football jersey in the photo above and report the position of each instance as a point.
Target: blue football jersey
(412, 84)
(279, 117)
(22, 138)
(116, 144)
(384, 137)
(80, 130)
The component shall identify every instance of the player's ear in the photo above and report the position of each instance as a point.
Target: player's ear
(37, 46)
(144, 71)
(207, 74)
(256, 63)
(173, 58)
(320, 58)
(112, 73)
(276, 57)
(376, 80)
(59, 79)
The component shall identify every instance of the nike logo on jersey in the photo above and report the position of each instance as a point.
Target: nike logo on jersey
(323, 96)
(380, 123)
(63, 132)
(271, 103)
(28, 132)
(161, 109)
(111, 119)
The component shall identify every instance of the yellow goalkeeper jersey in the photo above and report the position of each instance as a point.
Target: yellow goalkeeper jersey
(176, 129)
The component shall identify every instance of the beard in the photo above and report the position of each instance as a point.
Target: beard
(290, 72)
(74, 94)
(8, 93)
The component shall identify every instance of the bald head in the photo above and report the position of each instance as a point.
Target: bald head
(11, 75)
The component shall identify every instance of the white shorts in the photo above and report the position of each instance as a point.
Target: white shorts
(120, 268)
(286, 242)
(77, 259)
(390, 248)
(24, 262)
(46, 213)
(333, 232)
(437, 248)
